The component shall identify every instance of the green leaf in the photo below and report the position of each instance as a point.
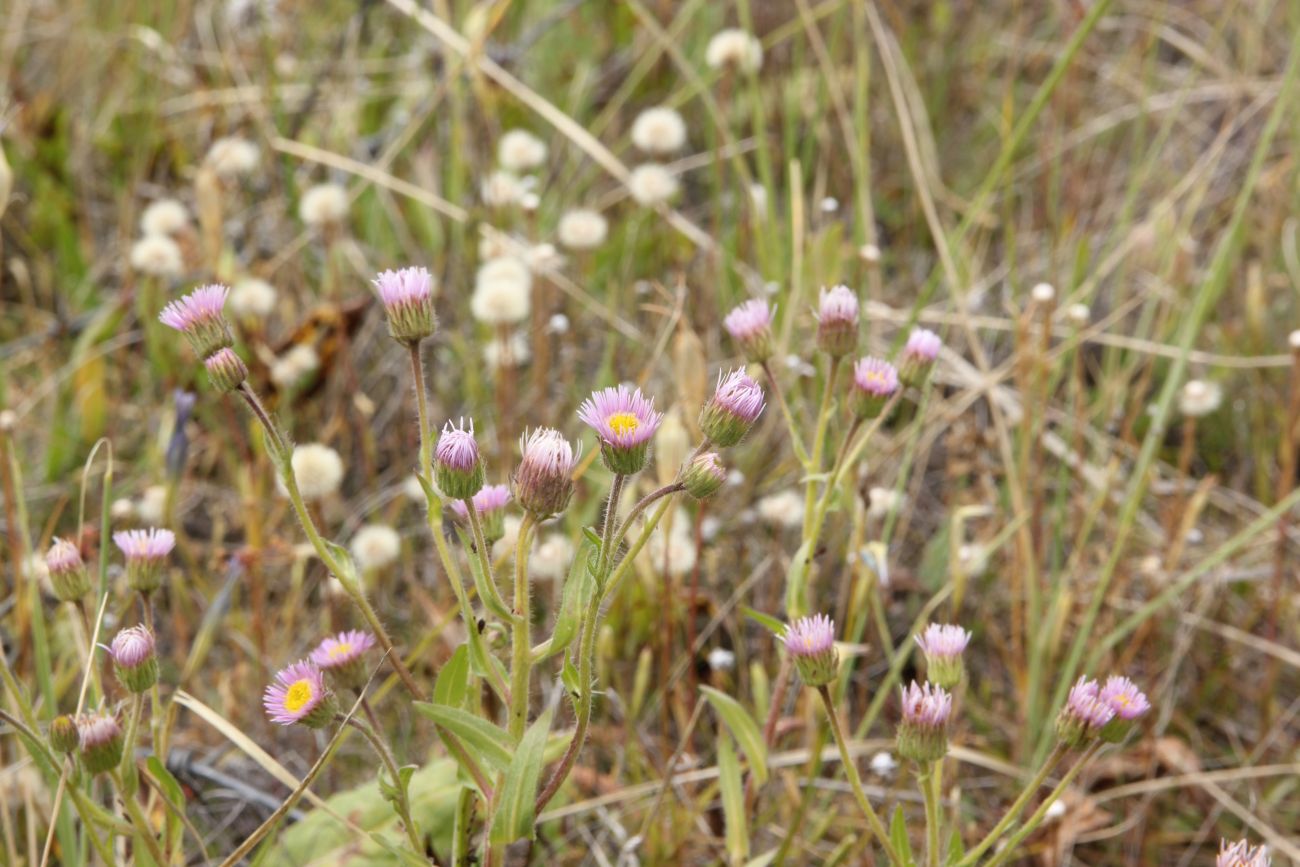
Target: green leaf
(898, 836)
(171, 791)
(776, 627)
(577, 594)
(514, 818)
(956, 848)
(796, 580)
(745, 729)
(452, 683)
(592, 536)
(569, 676)
(762, 860)
(491, 742)
(733, 802)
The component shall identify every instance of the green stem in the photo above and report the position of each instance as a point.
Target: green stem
(130, 778)
(851, 771)
(849, 457)
(402, 804)
(422, 409)
(522, 648)
(141, 822)
(1040, 814)
(796, 439)
(640, 506)
(485, 581)
(814, 466)
(927, 777)
(1013, 812)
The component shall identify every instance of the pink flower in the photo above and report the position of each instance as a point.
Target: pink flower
(735, 406)
(625, 421)
(750, 325)
(342, 649)
(837, 321)
(152, 545)
(407, 296)
(809, 636)
(202, 306)
(492, 498)
(922, 344)
(927, 706)
(943, 641)
(63, 557)
(875, 376)
(1123, 697)
(298, 695)
(457, 447)
(1241, 854)
(543, 483)
(132, 647)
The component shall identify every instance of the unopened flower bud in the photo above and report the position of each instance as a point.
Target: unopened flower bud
(64, 736)
(923, 731)
(704, 475)
(134, 660)
(735, 406)
(457, 466)
(67, 571)
(145, 551)
(226, 370)
(407, 296)
(837, 321)
(918, 356)
(811, 643)
(943, 646)
(750, 325)
(543, 484)
(101, 742)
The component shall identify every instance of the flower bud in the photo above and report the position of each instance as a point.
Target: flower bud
(735, 406)
(67, 571)
(101, 742)
(811, 643)
(943, 646)
(543, 484)
(134, 660)
(490, 504)
(226, 370)
(407, 296)
(457, 467)
(837, 321)
(874, 382)
(145, 551)
(750, 325)
(64, 736)
(1084, 716)
(917, 358)
(923, 731)
(704, 475)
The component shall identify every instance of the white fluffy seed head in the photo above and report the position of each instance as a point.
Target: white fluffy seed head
(153, 505)
(157, 256)
(782, 509)
(552, 557)
(659, 130)
(252, 298)
(164, 217)
(295, 365)
(318, 469)
(1199, 398)
(511, 353)
(502, 292)
(582, 229)
(870, 254)
(1043, 293)
(1079, 314)
(651, 184)
(885, 502)
(734, 47)
(375, 546)
(233, 157)
(501, 189)
(519, 151)
(323, 205)
(1293, 340)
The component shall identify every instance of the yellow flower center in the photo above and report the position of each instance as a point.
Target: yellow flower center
(298, 695)
(340, 649)
(623, 423)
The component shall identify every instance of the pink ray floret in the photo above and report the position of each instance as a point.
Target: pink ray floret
(749, 319)
(875, 376)
(809, 636)
(943, 641)
(837, 304)
(1123, 697)
(926, 705)
(408, 287)
(489, 499)
(297, 691)
(620, 416)
(546, 451)
(342, 649)
(922, 344)
(1242, 854)
(201, 306)
(63, 556)
(132, 646)
(97, 729)
(739, 395)
(457, 447)
(149, 545)
(1086, 704)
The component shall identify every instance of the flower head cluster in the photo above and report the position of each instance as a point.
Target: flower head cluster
(342, 656)
(457, 467)
(875, 381)
(145, 552)
(837, 321)
(101, 742)
(200, 318)
(490, 505)
(918, 357)
(299, 695)
(625, 421)
(704, 475)
(1092, 711)
(134, 659)
(811, 643)
(67, 571)
(736, 404)
(407, 296)
(543, 483)
(923, 731)
(943, 646)
(750, 325)
(1242, 854)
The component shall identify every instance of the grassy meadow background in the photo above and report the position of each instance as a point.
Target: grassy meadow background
(1051, 489)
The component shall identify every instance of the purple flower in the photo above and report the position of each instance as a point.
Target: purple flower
(342, 657)
(943, 646)
(63, 556)
(1241, 854)
(145, 551)
(750, 325)
(407, 296)
(625, 421)
(875, 381)
(299, 695)
(101, 742)
(67, 571)
(199, 317)
(1124, 698)
(457, 468)
(490, 504)
(918, 356)
(132, 646)
(1085, 714)
(704, 475)
(735, 406)
(837, 321)
(543, 483)
(923, 731)
(811, 642)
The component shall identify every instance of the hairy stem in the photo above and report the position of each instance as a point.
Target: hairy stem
(521, 648)
(1013, 812)
(927, 777)
(851, 771)
(402, 802)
